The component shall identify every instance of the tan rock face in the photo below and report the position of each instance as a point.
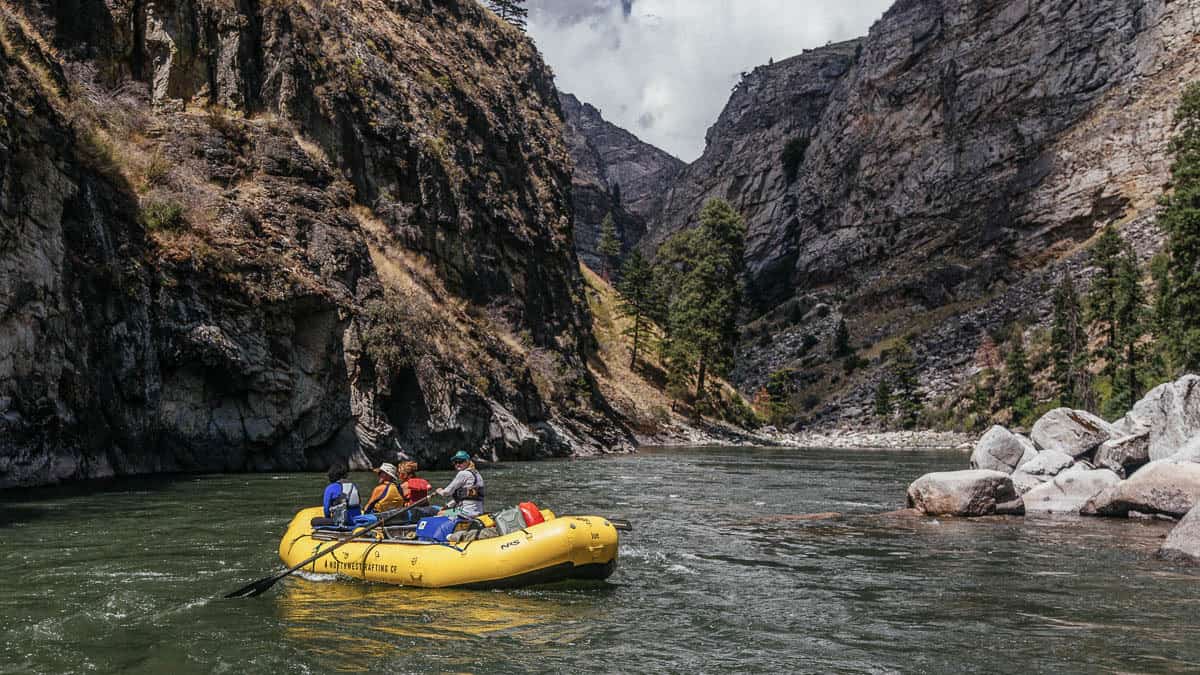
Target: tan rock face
(279, 234)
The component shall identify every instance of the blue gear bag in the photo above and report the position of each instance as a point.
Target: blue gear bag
(437, 528)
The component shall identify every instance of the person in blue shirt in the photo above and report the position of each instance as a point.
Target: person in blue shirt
(342, 503)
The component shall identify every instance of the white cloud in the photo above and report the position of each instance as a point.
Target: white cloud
(665, 71)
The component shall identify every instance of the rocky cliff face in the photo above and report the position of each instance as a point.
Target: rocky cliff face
(960, 147)
(262, 236)
(743, 161)
(614, 173)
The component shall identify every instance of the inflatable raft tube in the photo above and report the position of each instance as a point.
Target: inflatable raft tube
(559, 549)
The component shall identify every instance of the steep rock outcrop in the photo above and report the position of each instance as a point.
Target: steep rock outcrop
(244, 236)
(615, 173)
(743, 158)
(954, 153)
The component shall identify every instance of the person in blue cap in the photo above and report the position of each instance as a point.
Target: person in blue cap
(466, 490)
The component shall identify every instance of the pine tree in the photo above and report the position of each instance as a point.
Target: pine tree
(1130, 321)
(841, 341)
(779, 390)
(636, 289)
(1162, 320)
(609, 247)
(883, 400)
(704, 277)
(907, 394)
(1181, 221)
(1102, 299)
(1018, 388)
(512, 11)
(1068, 344)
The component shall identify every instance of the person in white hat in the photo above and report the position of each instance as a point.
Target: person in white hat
(386, 495)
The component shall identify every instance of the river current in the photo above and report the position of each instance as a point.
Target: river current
(719, 575)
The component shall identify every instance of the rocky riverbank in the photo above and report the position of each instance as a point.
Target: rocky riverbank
(1144, 465)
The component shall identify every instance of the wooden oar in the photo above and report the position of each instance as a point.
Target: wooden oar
(259, 587)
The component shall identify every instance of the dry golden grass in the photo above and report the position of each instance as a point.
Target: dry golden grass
(638, 395)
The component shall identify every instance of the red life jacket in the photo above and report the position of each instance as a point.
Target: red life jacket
(418, 489)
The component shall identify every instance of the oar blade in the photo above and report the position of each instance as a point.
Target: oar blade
(252, 590)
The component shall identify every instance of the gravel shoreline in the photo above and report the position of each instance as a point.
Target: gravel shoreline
(841, 439)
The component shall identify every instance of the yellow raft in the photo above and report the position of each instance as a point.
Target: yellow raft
(561, 548)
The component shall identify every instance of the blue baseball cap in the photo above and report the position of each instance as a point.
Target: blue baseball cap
(461, 456)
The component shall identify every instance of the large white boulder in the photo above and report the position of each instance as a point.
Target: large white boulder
(1040, 469)
(1190, 452)
(1067, 492)
(962, 493)
(1124, 455)
(1073, 432)
(1183, 544)
(1171, 415)
(1165, 486)
(1002, 450)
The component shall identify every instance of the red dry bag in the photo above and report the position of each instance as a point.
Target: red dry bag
(531, 514)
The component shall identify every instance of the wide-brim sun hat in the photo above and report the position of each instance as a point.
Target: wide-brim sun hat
(389, 469)
(461, 456)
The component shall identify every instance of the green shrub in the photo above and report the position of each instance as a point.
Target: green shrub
(161, 216)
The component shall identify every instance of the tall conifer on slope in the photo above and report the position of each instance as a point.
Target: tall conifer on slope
(636, 289)
(705, 268)
(1102, 299)
(1181, 221)
(906, 393)
(1068, 345)
(609, 247)
(1130, 320)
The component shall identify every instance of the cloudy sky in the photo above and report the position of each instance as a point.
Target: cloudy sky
(663, 69)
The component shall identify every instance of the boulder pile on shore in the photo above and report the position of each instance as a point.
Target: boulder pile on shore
(1146, 464)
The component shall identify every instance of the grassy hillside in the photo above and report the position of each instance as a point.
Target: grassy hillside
(640, 396)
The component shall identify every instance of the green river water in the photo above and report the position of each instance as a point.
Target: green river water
(125, 578)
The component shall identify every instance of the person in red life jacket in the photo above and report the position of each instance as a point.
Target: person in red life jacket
(412, 487)
(415, 490)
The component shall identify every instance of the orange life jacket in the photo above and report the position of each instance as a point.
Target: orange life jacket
(416, 489)
(385, 497)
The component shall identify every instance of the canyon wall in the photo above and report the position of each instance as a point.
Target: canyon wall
(267, 236)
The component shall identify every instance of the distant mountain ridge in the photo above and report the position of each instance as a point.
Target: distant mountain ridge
(615, 172)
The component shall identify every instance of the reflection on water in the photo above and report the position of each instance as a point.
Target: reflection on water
(315, 611)
(762, 561)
